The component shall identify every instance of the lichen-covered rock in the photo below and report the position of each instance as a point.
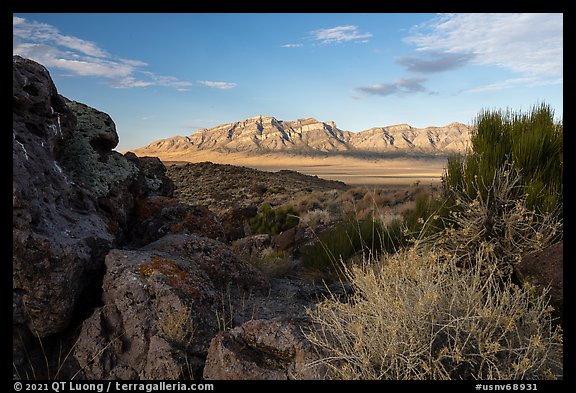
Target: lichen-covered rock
(159, 315)
(273, 349)
(89, 161)
(72, 198)
(152, 179)
(59, 238)
(162, 306)
(88, 157)
(157, 216)
(214, 258)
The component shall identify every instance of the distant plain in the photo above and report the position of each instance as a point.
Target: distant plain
(350, 170)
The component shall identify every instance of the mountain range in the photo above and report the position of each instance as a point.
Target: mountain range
(264, 134)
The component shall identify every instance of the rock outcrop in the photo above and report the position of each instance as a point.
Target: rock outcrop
(112, 270)
(157, 216)
(544, 269)
(73, 200)
(59, 235)
(161, 306)
(262, 349)
(262, 134)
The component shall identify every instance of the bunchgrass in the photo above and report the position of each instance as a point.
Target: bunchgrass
(446, 307)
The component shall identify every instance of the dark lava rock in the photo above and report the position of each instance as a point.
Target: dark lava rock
(158, 316)
(273, 349)
(157, 216)
(59, 238)
(162, 306)
(544, 269)
(152, 179)
(72, 198)
(235, 222)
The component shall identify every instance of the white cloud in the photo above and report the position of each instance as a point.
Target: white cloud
(340, 34)
(129, 82)
(528, 44)
(45, 33)
(43, 43)
(399, 87)
(529, 81)
(292, 45)
(219, 85)
(17, 21)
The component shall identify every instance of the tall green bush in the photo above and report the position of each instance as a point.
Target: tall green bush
(346, 239)
(530, 142)
(274, 221)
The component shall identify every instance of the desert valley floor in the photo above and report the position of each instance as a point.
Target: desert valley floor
(353, 171)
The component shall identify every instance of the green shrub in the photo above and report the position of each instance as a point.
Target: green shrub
(349, 238)
(530, 142)
(274, 221)
(429, 216)
(341, 242)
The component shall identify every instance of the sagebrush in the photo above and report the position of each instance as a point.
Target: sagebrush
(446, 307)
(418, 316)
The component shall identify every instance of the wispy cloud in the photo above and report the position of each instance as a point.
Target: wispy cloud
(340, 34)
(292, 45)
(399, 87)
(435, 62)
(529, 81)
(77, 57)
(45, 33)
(219, 85)
(528, 44)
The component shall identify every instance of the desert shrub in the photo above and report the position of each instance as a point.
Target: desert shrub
(272, 262)
(350, 238)
(447, 308)
(503, 220)
(344, 240)
(273, 221)
(428, 216)
(531, 142)
(316, 217)
(417, 315)
(381, 233)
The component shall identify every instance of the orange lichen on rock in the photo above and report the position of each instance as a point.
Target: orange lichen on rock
(176, 275)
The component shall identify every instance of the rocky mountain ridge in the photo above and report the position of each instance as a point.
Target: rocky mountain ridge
(263, 134)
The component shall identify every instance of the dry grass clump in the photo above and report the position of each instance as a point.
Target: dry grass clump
(316, 217)
(272, 262)
(360, 202)
(419, 316)
(446, 307)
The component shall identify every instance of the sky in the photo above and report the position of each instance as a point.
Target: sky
(161, 75)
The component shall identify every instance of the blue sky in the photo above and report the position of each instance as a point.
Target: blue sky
(160, 75)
